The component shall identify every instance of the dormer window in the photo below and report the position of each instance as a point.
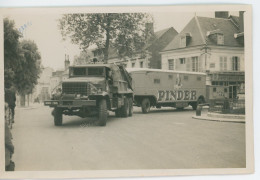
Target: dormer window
(184, 39)
(220, 39)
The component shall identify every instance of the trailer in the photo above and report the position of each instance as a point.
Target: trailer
(166, 88)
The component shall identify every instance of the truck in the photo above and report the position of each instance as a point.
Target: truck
(166, 88)
(93, 90)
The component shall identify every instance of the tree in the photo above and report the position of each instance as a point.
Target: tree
(29, 69)
(83, 58)
(124, 31)
(12, 52)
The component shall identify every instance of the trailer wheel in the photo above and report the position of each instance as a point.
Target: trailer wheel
(125, 108)
(102, 112)
(118, 113)
(57, 113)
(130, 101)
(146, 105)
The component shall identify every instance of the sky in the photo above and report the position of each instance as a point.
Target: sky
(43, 30)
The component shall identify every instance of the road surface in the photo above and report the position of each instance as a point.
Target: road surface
(163, 139)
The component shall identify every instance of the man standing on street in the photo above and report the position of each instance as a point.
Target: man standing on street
(10, 98)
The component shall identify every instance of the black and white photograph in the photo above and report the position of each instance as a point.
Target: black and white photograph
(162, 90)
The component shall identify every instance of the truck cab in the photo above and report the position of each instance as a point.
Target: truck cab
(93, 90)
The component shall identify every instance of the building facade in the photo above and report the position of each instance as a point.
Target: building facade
(211, 45)
(150, 58)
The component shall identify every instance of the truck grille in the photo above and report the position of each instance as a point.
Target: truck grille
(76, 88)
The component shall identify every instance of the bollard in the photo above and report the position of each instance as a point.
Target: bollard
(198, 110)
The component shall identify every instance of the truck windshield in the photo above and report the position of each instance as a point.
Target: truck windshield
(96, 71)
(79, 72)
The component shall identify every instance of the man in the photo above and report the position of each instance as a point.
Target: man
(9, 149)
(10, 98)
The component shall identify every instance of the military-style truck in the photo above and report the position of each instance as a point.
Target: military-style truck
(92, 90)
(166, 88)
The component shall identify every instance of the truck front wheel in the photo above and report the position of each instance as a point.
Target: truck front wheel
(102, 112)
(57, 113)
(125, 108)
(146, 105)
(130, 101)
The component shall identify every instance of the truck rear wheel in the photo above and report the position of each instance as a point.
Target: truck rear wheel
(130, 101)
(125, 108)
(146, 105)
(57, 113)
(102, 112)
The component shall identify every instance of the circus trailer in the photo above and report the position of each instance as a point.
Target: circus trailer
(166, 88)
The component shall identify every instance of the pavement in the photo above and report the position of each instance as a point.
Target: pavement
(162, 139)
(209, 116)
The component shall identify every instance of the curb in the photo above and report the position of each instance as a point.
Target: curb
(207, 118)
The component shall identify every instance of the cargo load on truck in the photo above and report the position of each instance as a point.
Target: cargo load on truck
(166, 88)
(93, 90)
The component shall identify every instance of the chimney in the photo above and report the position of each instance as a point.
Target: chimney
(221, 14)
(66, 62)
(241, 21)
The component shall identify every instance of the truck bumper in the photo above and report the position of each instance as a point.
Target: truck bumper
(70, 103)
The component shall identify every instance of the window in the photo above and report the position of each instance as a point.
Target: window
(223, 63)
(194, 64)
(141, 64)
(220, 39)
(170, 76)
(235, 63)
(156, 81)
(225, 90)
(182, 60)
(186, 78)
(133, 64)
(214, 89)
(95, 71)
(212, 65)
(78, 71)
(198, 78)
(183, 41)
(171, 64)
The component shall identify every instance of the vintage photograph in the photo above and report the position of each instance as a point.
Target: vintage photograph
(153, 88)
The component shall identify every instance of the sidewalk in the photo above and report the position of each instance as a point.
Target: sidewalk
(235, 118)
(31, 106)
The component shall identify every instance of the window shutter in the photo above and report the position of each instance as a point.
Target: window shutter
(220, 63)
(232, 63)
(238, 63)
(225, 63)
(188, 64)
(200, 63)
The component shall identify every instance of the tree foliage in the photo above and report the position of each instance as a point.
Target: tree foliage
(84, 57)
(21, 60)
(29, 70)
(12, 52)
(124, 31)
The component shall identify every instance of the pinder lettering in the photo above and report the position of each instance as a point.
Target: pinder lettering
(186, 95)
(193, 95)
(160, 95)
(173, 95)
(180, 95)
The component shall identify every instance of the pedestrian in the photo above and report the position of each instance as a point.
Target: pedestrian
(10, 98)
(9, 149)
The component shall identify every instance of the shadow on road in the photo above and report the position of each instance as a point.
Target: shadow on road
(165, 111)
(86, 122)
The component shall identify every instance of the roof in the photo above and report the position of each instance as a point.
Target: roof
(161, 70)
(160, 33)
(198, 27)
(93, 65)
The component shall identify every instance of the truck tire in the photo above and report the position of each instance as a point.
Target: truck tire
(125, 108)
(57, 113)
(130, 101)
(102, 112)
(146, 105)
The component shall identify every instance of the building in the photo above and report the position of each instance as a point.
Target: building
(150, 58)
(42, 90)
(60, 75)
(211, 45)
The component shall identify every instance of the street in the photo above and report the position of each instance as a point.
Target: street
(163, 139)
